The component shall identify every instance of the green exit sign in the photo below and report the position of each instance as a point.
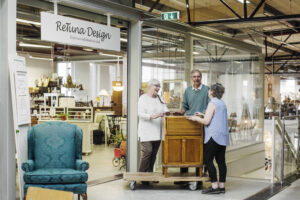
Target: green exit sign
(170, 15)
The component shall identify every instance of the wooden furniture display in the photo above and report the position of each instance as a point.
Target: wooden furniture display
(183, 144)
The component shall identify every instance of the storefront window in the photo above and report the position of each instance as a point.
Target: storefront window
(239, 72)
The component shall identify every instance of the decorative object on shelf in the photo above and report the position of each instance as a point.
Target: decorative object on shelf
(69, 83)
(232, 122)
(272, 106)
(246, 122)
(103, 93)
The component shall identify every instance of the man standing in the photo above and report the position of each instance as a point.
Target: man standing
(195, 99)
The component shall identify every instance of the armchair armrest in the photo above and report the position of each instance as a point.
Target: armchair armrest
(28, 166)
(81, 165)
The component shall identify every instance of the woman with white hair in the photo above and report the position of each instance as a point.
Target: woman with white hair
(151, 109)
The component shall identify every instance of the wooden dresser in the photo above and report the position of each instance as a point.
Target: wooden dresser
(183, 144)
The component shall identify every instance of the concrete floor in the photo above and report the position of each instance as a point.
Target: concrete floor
(237, 189)
(290, 193)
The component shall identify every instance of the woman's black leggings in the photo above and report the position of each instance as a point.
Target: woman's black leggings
(215, 151)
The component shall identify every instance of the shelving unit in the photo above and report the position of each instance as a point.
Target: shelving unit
(80, 113)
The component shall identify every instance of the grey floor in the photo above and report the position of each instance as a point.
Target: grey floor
(237, 189)
(290, 193)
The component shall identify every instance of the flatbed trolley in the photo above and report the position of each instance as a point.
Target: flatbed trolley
(134, 177)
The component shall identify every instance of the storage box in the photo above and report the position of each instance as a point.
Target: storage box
(35, 193)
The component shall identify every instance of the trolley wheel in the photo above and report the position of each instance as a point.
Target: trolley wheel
(193, 185)
(123, 160)
(116, 162)
(132, 185)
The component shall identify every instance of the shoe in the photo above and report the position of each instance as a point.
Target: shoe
(145, 182)
(222, 190)
(181, 182)
(210, 190)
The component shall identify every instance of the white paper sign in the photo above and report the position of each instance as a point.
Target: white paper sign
(56, 28)
(22, 98)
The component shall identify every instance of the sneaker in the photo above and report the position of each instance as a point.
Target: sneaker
(210, 190)
(145, 182)
(222, 190)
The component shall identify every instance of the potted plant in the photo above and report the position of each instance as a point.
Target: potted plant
(62, 116)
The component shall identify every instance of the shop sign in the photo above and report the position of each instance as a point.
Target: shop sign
(66, 30)
(170, 15)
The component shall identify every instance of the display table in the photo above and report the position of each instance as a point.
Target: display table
(183, 144)
(87, 136)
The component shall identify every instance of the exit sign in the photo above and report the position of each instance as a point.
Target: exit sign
(170, 15)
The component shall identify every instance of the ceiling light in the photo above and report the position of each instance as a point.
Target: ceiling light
(123, 39)
(196, 53)
(158, 62)
(106, 54)
(242, 1)
(87, 49)
(28, 21)
(22, 44)
(181, 50)
(40, 58)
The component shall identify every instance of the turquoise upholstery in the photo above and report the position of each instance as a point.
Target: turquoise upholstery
(55, 158)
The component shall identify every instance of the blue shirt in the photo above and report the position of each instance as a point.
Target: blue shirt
(218, 126)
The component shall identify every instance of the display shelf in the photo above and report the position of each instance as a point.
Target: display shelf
(47, 112)
(80, 113)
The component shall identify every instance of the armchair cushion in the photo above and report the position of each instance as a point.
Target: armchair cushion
(55, 175)
(54, 145)
(81, 165)
(28, 166)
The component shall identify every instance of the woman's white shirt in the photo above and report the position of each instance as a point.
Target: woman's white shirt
(150, 129)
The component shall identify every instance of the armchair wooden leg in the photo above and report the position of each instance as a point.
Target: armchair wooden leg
(78, 196)
(84, 196)
(24, 198)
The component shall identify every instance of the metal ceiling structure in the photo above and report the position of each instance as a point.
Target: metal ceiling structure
(270, 26)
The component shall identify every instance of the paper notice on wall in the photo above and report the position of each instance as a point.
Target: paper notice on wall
(22, 97)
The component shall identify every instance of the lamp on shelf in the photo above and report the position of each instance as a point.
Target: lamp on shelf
(103, 93)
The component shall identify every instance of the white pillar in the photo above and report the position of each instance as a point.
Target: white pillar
(93, 87)
(189, 58)
(133, 83)
(7, 143)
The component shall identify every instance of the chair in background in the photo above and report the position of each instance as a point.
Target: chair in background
(55, 158)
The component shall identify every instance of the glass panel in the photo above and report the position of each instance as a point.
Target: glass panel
(239, 72)
(291, 146)
(163, 58)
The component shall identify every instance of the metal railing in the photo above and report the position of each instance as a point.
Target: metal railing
(286, 147)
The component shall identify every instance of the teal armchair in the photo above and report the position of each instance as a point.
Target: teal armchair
(55, 158)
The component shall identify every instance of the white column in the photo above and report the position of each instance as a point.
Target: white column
(189, 58)
(93, 88)
(98, 78)
(133, 82)
(7, 143)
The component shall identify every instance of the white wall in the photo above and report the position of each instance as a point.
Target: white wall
(7, 144)
(37, 68)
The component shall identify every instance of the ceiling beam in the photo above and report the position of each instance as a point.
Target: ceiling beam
(236, 14)
(287, 50)
(257, 8)
(249, 20)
